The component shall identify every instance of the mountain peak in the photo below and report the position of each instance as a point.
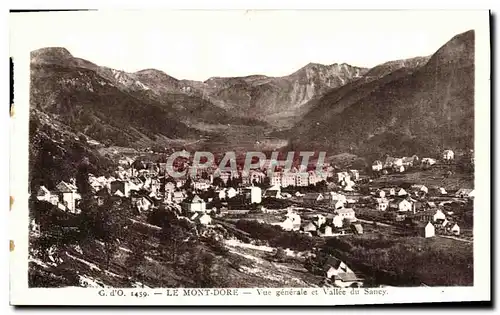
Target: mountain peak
(155, 74)
(50, 54)
(458, 50)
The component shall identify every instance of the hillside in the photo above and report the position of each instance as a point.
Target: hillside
(421, 109)
(115, 107)
(55, 153)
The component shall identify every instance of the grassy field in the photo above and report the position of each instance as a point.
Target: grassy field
(434, 176)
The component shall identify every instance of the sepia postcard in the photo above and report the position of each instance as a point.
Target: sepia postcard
(250, 157)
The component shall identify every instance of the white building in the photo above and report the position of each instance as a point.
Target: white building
(377, 166)
(253, 194)
(405, 205)
(44, 194)
(455, 229)
(196, 204)
(448, 155)
(68, 195)
(382, 204)
(429, 230)
(439, 215)
(231, 193)
(346, 213)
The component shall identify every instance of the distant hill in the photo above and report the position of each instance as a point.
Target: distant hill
(422, 108)
(419, 105)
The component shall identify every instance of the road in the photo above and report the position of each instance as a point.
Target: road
(456, 238)
(378, 223)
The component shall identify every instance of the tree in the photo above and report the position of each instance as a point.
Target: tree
(188, 183)
(279, 255)
(218, 182)
(82, 178)
(346, 222)
(136, 258)
(201, 266)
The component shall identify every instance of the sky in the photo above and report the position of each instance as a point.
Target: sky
(197, 45)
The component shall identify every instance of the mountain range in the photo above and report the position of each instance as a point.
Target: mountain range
(419, 105)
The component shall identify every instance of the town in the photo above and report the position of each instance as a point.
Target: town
(323, 203)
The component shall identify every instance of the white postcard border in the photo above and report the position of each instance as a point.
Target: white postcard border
(18, 217)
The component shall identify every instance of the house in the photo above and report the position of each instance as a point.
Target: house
(444, 223)
(338, 221)
(286, 195)
(410, 161)
(426, 230)
(405, 205)
(276, 179)
(389, 162)
(194, 204)
(382, 204)
(400, 217)
(333, 266)
(354, 174)
(349, 184)
(465, 193)
(299, 194)
(231, 193)
(399, 169)
(178, 196)
(288, 179)
(420, 188)
(313, 198)
(256, 176)
(347, 280)
(346, 213)
(455, 229)
(343, 177)
(430, 205)
(424, 216)
(44, 194)
(313, 177)
(428, 161)
(68, 195)
(169, 187)
(438, 215)
(448, 155)
(402, 192)
(292, 222)
(357, 228)
(377, 166)
(335, 200)
(201, 218)
(272, 194)
(119, 193)
(201, 185)
(442, 191)
(142, 203)
(326, 230)
(253, 194)
(392, 191)
(319, 219)
(398, 162)
(302, 179)
(380, 193)
(309, 227)
(122, 185)
(222, 194)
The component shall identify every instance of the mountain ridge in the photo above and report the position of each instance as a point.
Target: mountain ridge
(426, 109)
